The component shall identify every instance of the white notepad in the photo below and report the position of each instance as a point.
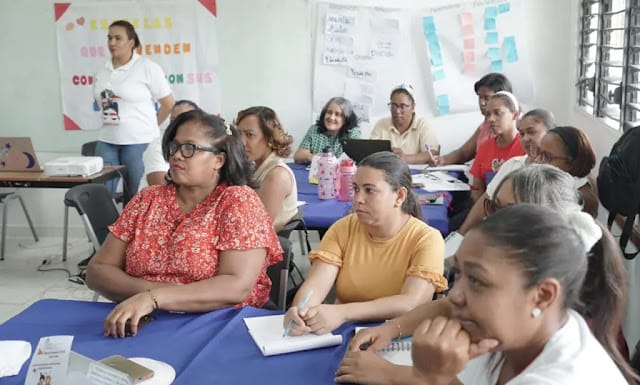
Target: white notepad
(397, 352)
(267, 332)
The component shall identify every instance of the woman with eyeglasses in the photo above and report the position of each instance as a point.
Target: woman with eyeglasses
(337, 121)
(411, 137)
(199, 243)
(267, 144)
(570, 149)
(532, 128)
(600, 300)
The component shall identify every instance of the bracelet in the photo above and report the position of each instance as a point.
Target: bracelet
(153, 298)
(398, 325)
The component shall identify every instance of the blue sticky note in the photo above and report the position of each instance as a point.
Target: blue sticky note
(492, 38)
(428, 25)
(489, 23)
(493, 53)
(504, 7)
(438, 75)
(509, 49)
(435, 53)
(490, 12)
(496, 66)
(443, 104)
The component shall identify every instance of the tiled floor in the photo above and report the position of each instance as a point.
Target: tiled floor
(21, 283)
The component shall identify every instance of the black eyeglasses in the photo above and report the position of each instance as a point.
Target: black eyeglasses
(189, 149)
(401, 106)
(545, 157)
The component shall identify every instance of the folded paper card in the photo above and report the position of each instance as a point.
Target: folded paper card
(266, 332)
(14, 354)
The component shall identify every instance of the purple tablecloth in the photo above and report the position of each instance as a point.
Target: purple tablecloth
(208, 348)
(322, 213)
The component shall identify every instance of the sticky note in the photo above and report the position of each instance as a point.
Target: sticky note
(493, 53)
(492, 38)
(469, 44)
(428, 25)
(438, 75)
(443, 104)
(469, 56)
(490, 12)
(489, 23)
(509, 49)
(496, 66)
(467, 30)
(466, 18)
(469, 68)
(435, 53)
(504, 7)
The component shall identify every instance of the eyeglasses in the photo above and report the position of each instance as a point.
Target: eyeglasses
(401, 106)
(189, 149)
(490, 207)
(545, 157)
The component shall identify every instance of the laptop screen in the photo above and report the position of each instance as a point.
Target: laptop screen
(358, 149)
(17, 154)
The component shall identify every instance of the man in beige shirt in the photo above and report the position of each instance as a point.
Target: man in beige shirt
(411, 137)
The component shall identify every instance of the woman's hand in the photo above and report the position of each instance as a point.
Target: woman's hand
(366, 367)
(323, 319)
(133, 308)
(299, 327)
(442, 348)
(375, 338)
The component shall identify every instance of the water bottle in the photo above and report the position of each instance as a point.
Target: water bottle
(327, 174)
(347, 172)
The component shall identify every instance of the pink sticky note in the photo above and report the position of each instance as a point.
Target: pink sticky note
(469, 44)
(469, 56)
(466, 18)
(469, 68)
(467, 30)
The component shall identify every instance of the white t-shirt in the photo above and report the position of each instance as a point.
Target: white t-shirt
(571, 356)
(153, 160)
(512, 164)
(126, 97)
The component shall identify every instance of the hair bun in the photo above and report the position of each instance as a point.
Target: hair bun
(586, 227)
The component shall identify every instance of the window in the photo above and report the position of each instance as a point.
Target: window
(609, 61)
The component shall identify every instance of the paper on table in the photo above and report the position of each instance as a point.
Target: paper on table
(266, 332)
(439, 181)
(448, 167)
(14, 354)
(301, 203)
(397, 352)
(452, 243)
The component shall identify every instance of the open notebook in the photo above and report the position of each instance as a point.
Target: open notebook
(267, 331)
(397, 352)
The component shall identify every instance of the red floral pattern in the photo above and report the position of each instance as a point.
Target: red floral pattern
(165, 245)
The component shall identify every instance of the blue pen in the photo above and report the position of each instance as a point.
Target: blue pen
(301, 305)
(426, 147)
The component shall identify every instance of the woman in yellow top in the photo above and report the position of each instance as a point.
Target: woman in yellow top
(383, 259)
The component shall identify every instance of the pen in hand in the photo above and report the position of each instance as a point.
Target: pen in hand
(301, 305)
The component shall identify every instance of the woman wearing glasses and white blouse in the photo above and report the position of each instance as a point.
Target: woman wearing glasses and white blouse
(411, 137)
(199, 243)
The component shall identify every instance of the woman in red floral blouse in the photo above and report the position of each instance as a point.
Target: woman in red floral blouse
(199, 243)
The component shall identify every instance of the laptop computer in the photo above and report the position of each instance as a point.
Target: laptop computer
(358, 149)
(17, 154)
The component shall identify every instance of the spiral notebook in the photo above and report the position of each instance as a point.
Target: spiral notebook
(397, 352)
(266, 332)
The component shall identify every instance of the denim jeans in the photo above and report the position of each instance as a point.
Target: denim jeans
(129, 155)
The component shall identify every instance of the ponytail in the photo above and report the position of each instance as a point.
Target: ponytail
(411, 206)
(603, 298)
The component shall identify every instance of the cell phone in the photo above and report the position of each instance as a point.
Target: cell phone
(137, 372)
(141, 323)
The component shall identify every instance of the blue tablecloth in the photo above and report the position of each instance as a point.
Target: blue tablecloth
(209, 348)
(322, 213)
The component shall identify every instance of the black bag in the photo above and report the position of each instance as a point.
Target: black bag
(619, 183)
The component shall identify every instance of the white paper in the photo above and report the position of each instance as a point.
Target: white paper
(448, 167)
(14, 354)
(397, 352)
(452, 243)
(267, 334)
(50, 360)
(439, 181)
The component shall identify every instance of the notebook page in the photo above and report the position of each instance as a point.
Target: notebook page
(267, 334)
(397, 352)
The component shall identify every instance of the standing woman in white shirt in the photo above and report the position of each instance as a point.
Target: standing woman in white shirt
(126, 89)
